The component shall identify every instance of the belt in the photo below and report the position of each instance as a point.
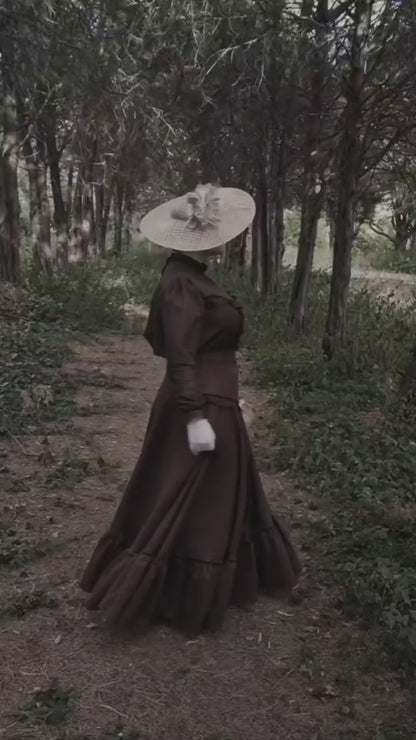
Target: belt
(217, 374)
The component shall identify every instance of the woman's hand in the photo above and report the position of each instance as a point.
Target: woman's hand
(201, 436)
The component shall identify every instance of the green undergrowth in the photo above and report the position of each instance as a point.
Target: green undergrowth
(17, 549)
(26, 603)
(357, 464)
(390, 259)
(49, 706)
(338, 428)
(91, 296)
(38, 324)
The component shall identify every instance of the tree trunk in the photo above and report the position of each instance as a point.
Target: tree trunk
(88, 211)
(45, 220)
(273, 218)
(69, 187)
(118, 216)
(331, 235)
(242, 250)
(232, 252)
(99, 206)
(88, 218)
(408, 379)
(401, 240)
(60, 215)
(262, 240)
(128, 219)
(254, 253)
(279, 221)
(311, 210)
(9, 196)
(79, 240)
(336, 325)
(40, 217)
(270, 215)
(313, 178)
(108, 198)
(331, 214)
(104, 186)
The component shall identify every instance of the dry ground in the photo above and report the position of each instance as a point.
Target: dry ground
(286, 670)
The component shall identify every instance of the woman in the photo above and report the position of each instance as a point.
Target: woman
(193, 532)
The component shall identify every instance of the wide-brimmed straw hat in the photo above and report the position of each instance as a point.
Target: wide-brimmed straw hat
(199, 221)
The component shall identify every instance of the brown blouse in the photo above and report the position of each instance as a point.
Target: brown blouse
(196, 325)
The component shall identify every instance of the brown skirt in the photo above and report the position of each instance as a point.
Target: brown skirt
(191, 534)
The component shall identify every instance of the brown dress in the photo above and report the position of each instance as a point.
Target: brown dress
(192, 534)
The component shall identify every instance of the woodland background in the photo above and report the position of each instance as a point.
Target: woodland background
(108, 107)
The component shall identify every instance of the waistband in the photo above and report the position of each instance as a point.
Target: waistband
(218, 374)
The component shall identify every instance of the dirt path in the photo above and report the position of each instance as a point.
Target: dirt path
(282, 671)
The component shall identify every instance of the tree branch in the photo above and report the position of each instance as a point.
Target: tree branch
(380, 232)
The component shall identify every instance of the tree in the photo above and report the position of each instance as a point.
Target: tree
(377, 83)
(9, 196)
(316, 163)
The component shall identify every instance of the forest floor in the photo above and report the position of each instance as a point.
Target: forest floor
(284, 670)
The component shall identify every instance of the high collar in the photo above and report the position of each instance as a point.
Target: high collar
(185, 258)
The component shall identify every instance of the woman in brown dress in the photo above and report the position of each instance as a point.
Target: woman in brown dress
(193, 532)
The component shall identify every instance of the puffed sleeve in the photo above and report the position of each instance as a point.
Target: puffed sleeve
(182, 317)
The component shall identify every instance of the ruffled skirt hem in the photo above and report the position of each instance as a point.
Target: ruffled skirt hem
(133, 590)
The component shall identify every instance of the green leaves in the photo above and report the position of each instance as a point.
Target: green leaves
(336, 429)
(48, 707)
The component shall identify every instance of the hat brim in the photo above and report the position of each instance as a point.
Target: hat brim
(235, 214)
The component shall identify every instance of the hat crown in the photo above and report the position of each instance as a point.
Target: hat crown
(200, 208)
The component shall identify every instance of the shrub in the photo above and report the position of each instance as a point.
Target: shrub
(361, 464)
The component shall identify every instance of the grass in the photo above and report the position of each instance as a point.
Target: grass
(28, 602)
(390, 259)
(50, 706)
(38, 327)
(18, 549)
(360, 465)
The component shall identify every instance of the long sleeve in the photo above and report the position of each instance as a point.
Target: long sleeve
(182, 318)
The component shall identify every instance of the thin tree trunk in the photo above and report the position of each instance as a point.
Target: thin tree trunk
(79, 241)
(40, 217)
(128, 219)
(336, 326)
(99, 206)
(311, 211)
(225, 257)
(88, 220)
(401, 240)
(273, 228)
(408, 379)
(60, 215)
(276, 198)
(108, 198)
(279, 206)
(262, 240)
(69, 194)
(9, 195)
(270, 216)
(313, 179)
(118, 215)
(88, 212)
(254, 253)
(45, 219)
(242, 250)
(331, 235)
